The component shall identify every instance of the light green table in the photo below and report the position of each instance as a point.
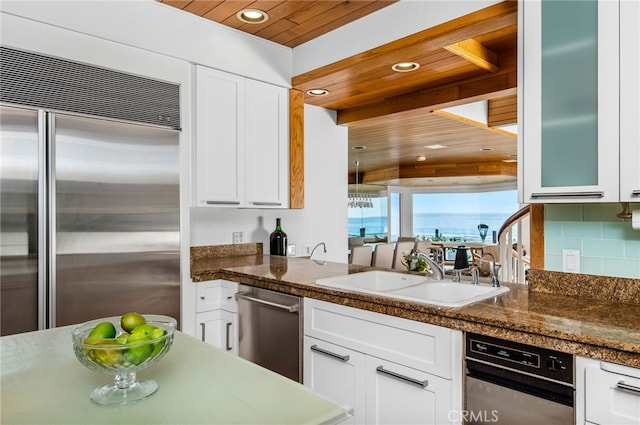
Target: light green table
(42, 382)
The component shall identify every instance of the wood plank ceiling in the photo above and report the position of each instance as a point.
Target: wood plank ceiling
(290, 23)
(396, 114)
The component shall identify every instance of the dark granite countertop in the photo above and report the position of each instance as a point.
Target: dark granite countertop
(598, 328)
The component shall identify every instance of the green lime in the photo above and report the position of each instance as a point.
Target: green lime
(145, 329)
(107, 357)
(103, 330)
(122, 338)
(138, 354)
(130, 321)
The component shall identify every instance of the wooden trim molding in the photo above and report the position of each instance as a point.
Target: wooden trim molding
(296, 149)
(536, 235)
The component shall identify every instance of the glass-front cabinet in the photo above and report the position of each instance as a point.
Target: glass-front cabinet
(630, 101)
(569, 101)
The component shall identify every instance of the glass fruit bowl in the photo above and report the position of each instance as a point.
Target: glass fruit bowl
(123, 355)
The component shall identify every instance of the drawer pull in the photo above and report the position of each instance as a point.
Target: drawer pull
(635, 192)
(267, 204)
(421, 384)
(344, 358)
(627, 388)
(229, 347)
(568, 195)
(222, 203)
(202, 298)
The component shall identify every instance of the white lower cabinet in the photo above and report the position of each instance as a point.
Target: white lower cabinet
(384, 369)
(217, 314)
(337, 373)
(402, 395)
(606, 393)
(218, 328)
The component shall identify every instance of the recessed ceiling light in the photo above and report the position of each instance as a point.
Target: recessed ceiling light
(405, 66)
(436, 146)
(252, 16)
(421, 158)
(359, 148)
(317, 92)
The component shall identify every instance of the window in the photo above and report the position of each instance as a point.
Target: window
(459, 214)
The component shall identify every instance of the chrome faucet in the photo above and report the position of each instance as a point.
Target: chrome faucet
(324, 249)
(475, 274)
(436, 269)
(494, 269)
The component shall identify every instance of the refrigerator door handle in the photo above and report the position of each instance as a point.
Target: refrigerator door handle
(50, 227)
(43, 228)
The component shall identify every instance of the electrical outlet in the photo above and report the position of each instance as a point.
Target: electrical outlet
(291, 250)
(571, 260)
(238, 237)
(306, 249)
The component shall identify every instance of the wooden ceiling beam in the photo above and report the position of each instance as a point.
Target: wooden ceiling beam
(435, 170)
(489, 86)
(502, 111)
(475, 53)
(455, 117)
(492, 18)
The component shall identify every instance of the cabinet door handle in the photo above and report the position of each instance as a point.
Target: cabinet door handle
(222, 202)
(202, 326)
(421, 384)
(229, 347)
(627, 388)
(568, 195)
(344, 358)
(290, 308)
(202, 297)
(635, 192)
(268, 204)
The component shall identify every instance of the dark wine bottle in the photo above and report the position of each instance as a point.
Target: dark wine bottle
(278, 241)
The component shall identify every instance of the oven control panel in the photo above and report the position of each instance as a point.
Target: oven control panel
(521, 357)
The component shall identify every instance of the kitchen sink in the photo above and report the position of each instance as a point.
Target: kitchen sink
(448, 294)
(373, 281)
(415, 288)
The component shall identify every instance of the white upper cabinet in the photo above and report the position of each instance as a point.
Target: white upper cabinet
(569, 100)
(219, 147)
(241, 150)
(266, 147)
(630, 101)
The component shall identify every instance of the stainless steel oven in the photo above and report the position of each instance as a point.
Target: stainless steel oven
(512, 383)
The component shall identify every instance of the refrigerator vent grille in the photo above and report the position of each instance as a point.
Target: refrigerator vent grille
(45, 82)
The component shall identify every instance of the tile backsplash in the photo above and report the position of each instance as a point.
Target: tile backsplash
(608, 245)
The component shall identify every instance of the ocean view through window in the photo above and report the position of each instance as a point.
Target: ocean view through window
(454, 215)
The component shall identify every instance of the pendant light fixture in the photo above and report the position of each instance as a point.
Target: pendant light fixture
(358, 200)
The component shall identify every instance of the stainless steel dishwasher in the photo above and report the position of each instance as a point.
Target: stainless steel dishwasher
(270, 330)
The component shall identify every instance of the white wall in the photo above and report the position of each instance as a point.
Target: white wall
(156, 27)
(324, 217)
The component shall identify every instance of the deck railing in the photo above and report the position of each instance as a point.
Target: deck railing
(511, 247)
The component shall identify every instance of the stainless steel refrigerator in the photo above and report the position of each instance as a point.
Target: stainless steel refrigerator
(89, 217)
